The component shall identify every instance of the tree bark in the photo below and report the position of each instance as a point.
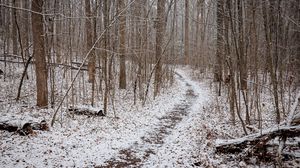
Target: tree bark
(242, 60)
(89, 41)
(26, 29)
(231, 83)
(160, 18)
(39, 54)
(122, 46)
(220, 47)
(106, 6)
(14, 30)
(89, 44)
(269, 27)
(186, 33)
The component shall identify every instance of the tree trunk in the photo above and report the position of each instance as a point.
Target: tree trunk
(186, 33)
(219, 55)
(231, 83)
(268, 25)
(89, 41)
(234, 39)
(242, 60)
(122, 47)
(160, 18)
(139, 49)
(39, 54)
(295, 18)
(26, 31)
(89, 44)
(106, 47)
(14, 30)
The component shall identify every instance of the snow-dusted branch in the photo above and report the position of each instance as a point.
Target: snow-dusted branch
(257, 139)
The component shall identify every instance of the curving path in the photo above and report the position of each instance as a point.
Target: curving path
(142, 153)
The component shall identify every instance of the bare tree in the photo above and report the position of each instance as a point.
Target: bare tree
(89, 41)
(106, 7)
(219, 54)
(39, 53)
(160, 18)
(89, 44)
(122, 46)
(269, 28)
(186, 33)
(14, 29)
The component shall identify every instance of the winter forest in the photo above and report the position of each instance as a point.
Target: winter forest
(149, 83)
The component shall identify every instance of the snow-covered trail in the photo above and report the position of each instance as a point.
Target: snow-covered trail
(171, 131)
(175, 140)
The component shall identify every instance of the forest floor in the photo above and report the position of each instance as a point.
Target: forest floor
(166, 132)
(172, 141)
(177, 129)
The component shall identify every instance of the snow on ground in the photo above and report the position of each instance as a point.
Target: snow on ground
(82, 141)
(181, 147)
(177, 129)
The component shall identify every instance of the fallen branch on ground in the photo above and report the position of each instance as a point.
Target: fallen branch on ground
(258, 140)
(259, 144)
(87, 112)
(27, 128)
(262, 146)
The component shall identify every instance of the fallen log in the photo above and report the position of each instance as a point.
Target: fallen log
(257, 140)
(261, 145)
(86, 112)
(26, 129)
(8, 127)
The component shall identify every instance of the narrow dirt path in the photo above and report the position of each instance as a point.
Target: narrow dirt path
(139, 152)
